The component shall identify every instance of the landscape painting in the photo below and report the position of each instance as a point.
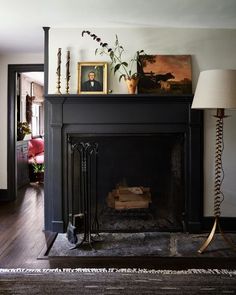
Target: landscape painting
(165, 74)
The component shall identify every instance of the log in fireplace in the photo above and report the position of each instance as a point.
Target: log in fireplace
(142, 141)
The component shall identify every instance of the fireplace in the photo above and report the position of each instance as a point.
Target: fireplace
(142, 141)
(152, 162)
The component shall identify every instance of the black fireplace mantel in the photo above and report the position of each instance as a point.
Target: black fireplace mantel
(119, 114)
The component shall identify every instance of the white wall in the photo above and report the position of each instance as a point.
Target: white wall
(209, 48)
(4, 62)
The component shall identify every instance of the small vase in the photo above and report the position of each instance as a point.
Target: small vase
(20, 136)
(39, 177)
(131, 84)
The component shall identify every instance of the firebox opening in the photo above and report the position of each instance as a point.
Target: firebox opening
(150, 167)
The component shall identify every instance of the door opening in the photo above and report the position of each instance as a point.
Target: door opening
(30, 128)
(20, 110)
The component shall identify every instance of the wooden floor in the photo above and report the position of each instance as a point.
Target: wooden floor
(21, 229)
(23, 241)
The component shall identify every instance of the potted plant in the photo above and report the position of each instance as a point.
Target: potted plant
(125, 69)
(38, 170)
(23, 128)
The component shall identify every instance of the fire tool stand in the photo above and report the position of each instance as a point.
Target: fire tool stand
(87, 190)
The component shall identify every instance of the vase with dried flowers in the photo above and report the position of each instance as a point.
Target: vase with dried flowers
(23, 128)
(126, 69)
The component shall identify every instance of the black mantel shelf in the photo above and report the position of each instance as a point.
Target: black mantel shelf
(120, 97)
(116, 114)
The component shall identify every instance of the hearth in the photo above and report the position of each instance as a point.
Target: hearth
(143, 141)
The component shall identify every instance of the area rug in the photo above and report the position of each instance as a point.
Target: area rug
(117, 281)
(192, 271)
(142, 244)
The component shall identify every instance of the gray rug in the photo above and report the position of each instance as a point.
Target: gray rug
(118, 282)
(143, 244)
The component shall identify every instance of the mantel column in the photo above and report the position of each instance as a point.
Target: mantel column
(53, 174)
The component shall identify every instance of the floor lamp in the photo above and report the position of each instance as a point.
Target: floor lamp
(216, 89)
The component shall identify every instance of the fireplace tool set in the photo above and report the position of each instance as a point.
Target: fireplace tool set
(84, 156)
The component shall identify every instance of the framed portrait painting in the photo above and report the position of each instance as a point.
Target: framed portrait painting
(165, 74)
(92, 78)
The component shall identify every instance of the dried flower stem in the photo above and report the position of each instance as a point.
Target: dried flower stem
(115, 54)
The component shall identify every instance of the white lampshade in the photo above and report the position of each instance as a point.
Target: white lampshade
(216, 89)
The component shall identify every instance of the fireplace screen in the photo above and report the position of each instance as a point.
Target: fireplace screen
(136, 182)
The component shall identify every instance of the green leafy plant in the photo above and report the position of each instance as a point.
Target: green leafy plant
(118, 65)
(37, 168)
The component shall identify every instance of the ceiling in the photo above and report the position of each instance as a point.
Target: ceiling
(37, 77)
(21, 22)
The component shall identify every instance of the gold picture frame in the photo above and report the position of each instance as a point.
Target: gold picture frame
(92, 78)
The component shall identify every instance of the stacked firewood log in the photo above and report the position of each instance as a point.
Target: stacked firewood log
(129, 198)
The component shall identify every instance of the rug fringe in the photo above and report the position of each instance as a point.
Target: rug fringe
(121, 270)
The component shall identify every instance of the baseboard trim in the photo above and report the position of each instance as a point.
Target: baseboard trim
(3, 195)
(226, 223)
(58, 226)
(194, 227)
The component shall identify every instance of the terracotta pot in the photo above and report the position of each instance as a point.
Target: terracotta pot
(131, 84)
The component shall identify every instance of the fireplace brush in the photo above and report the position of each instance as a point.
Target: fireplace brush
(71, 230)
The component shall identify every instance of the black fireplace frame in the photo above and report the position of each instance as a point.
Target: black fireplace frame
(66, 115)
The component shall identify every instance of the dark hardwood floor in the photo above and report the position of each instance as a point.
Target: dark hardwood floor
(21, 229)
(23, 242)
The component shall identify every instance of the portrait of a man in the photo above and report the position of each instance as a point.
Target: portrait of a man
(91, 84)
(92, 78)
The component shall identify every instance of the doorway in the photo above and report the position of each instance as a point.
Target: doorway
(17, 112)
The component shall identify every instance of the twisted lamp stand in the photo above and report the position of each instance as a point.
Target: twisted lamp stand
(219, 176)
